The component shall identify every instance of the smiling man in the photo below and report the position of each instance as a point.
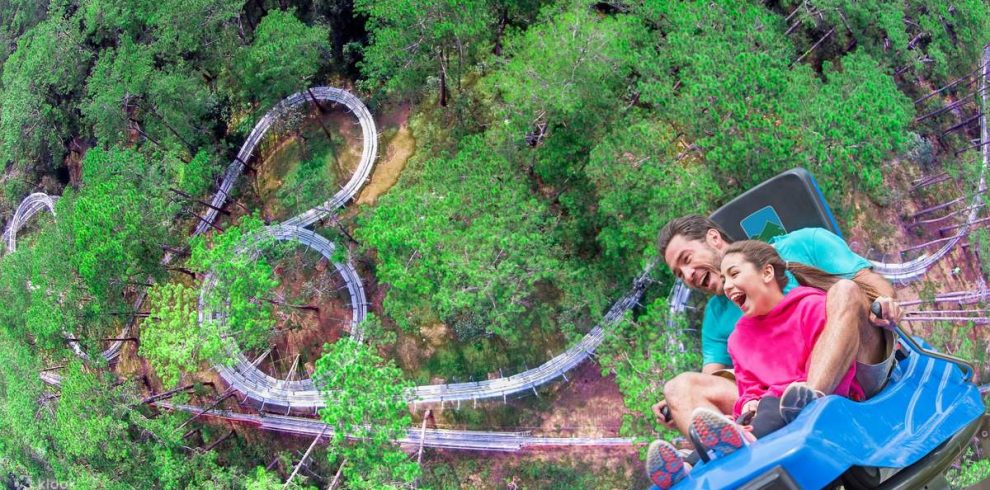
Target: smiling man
(692, 248)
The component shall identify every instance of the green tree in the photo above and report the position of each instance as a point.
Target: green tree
(465, 239)
(935, 40)
(171, 337)
(365, 403)
(550, 92)
(644, 176)
(119, 221)
(857, 120)
(414, 40)
(84, 427)
(562, 110)
(22, 398)
(750, 114)
(263, 72)
(19, 16)
(242, 287)
(168, 107)
(175, 339)
(39, 79)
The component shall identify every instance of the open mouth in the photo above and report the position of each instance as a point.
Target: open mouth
(706, 281)
(738, 298)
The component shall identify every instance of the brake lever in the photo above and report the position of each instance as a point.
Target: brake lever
(966, 366)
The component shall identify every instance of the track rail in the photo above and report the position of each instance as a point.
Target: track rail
(302, 396)
(910, 271)
(469, 440)
(30, 206)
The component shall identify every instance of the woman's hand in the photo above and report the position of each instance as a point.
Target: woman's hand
(750, 406)
(748, 412)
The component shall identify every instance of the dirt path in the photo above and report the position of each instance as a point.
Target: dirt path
(399, 148)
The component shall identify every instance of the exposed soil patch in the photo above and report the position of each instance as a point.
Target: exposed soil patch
(589, 406)
(399, 146)
(548, 468)
(313, 308)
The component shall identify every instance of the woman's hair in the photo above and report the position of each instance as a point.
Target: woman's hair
(760, 254)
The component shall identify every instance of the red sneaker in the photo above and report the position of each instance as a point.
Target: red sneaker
(664, 464)
(717, 433)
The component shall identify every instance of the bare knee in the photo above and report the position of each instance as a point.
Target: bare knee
(688, 391)
(679, 388)
(846, 307)
(846, 294)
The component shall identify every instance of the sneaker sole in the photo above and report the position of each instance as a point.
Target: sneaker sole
(666, 464)
(794, 399)
(717, 433)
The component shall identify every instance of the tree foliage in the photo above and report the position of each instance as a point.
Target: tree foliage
(264, 73)
(171, 338)
(119, 221)
(644, 177)
(413, 41)
(365, 403)
(40, 79)
(243, 282)
(466, 241)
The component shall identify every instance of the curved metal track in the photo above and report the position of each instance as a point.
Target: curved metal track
(243, 375)
(369, 150)
(26, 210)
(909, 271)
(302, 396)
(435, 438)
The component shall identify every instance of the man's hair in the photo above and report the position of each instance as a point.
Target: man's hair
(691, 227)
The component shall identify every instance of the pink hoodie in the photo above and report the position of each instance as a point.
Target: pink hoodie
(771, 351)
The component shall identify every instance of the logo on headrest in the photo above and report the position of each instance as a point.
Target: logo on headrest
(763, 225)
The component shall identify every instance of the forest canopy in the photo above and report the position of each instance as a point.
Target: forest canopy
(549, 141)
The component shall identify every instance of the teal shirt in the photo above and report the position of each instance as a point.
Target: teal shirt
(816, 247)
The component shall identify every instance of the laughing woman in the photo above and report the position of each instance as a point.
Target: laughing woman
(770, 350)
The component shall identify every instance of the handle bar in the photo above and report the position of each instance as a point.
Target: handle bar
(966, 366)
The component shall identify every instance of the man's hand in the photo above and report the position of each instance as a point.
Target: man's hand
(890, 312)
(658, 409)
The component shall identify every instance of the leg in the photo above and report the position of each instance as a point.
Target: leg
(768, 418)
(688, 391)
(848, 336)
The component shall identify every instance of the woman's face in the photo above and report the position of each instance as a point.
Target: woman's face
(754, 290)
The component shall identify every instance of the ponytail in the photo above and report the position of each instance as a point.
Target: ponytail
(761, 254)
(807, 275)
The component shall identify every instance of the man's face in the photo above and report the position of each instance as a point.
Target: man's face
(695, 262)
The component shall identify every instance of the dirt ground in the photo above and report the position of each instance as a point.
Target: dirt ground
(588, 406)
(397, 151)
(612, 468)
(322, 313)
